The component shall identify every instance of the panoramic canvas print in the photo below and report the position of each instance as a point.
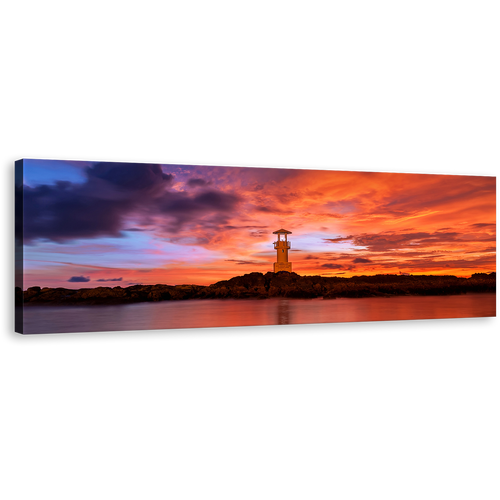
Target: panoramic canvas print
(104, 246)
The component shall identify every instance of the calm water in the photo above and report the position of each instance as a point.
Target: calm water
(278, 311)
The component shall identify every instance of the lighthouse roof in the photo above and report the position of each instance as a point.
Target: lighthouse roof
(282, 231)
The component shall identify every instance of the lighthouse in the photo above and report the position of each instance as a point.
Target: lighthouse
(282, 247)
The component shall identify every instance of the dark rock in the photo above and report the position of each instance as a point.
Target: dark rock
(158, 294)
(31, 292)
(49, 295)
(260, 286)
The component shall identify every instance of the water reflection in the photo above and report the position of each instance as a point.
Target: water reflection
(283, 312)
(278, 311)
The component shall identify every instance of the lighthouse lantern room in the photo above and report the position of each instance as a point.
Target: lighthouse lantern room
(282, 247)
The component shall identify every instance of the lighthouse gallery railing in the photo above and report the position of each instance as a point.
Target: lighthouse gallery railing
(281, 244)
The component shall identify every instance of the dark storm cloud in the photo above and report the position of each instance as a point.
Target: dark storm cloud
(198, 182)
(219, 201)
(332, 266)
(247, 227)
(485, 262)
(380, 242)
(178, 203)
(481, 225)
(79, 279)
(258, 234)
(244, 262)
(338, 240)
(267, 210)
(168, 178)
(286, 197)
(483, 250)
(360, 260)
(98, 207)
(387, 241)
(130, 176)
(65, 210)
(210, 209)
(110, 279)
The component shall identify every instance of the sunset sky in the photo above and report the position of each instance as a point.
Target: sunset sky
(89, 224)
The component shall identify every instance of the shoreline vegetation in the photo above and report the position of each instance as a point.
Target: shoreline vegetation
(262, 286)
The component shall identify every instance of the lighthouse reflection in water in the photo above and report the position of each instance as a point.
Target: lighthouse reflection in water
(283, 312)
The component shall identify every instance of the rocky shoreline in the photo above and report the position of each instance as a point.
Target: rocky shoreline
(262, 286)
